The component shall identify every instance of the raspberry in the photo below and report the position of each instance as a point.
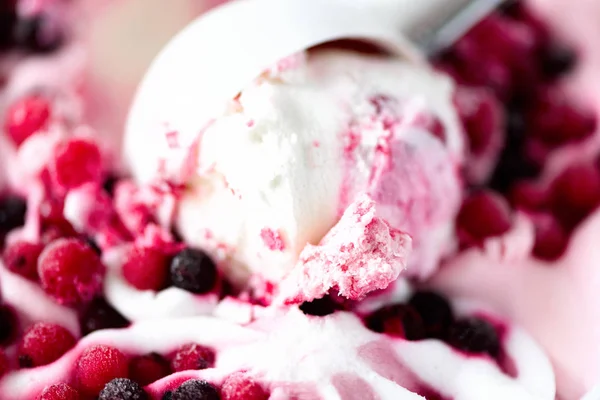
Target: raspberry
(146, 268)
(70, 271)
(148, 368)
(194, 271)
(60, 391)
(576, 192)
(76, 162)
(21, 258)
(99, 365)
(237, 387)
(44, 343)
(122, 389)
(484, 215)
(551, 240)
(25, 117)
(192, 356)
(100, 315)
(195, 390)
(399, 320)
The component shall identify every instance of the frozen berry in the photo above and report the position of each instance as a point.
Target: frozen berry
(194, 271)
(36, 34)
(146, 268)
(192, 356)
(22, 257)
(60, 391)
(99, 365)
(148, 368)
(319, 307)
(12, 213)
(435, 312)
(25, 117)
(397, 320)
(551, 239)
(484, 214)
(576, 192)
(76, 162)
(474, 335)
(122, 389)
(239, 387)
(100, 315)
(70, 271)
(8, 324)
(44, 343)
(195, 389)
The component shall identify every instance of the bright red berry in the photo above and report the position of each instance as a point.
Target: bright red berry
(60, 391)
(148, 368)
(22, 257)
(484, 215)
(192, 356)
(25, 117)
(238, 386)
(44, 343)
(70, 271)
(76, 161)
(146, 268)
(99, 365)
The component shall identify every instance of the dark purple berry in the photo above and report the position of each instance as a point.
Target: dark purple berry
(434, 311)
(319, 307)
(12, 213)
(100, 315)
(397, 320)
(194, 271)
(558, 60)
(122, 389)
(474, 335)
(8, 323)
(37, 35)
(195, 390)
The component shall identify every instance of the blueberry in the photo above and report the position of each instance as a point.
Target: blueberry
(100, 315)
(194, 271)
(319, 307)
(195, 390)
(122, 389)
(397, 320)
(435, 312)
(12, 213)
(474, 335)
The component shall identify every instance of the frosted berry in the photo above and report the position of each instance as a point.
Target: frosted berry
(44, 343)
(22, 257)
(122, 389)
(194, 271)
(192, 356)
(237, 387)
(26, 116)
(60, 391)
(474, 335)
(484, 214)
(70, 271)
(99, 365)
(195, 389)
(146, 268)
(76, 161)
(148, 368)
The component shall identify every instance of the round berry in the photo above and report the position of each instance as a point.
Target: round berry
(192, 356)
(12, 213)
(8, 323)
(484, 215)
(576, 192)
(76, 161)
(70, 271)
(25, 117)
(60, 391)
(100, 315)
(474, 335)
(399, 320)
(44, 343)
(22, 257)
(435, 312)
(237, 387)
(146, 268)
(99, 365)
(195, 389)
(551, 239)
(122, 389)
(148, 368)
(194, 271)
